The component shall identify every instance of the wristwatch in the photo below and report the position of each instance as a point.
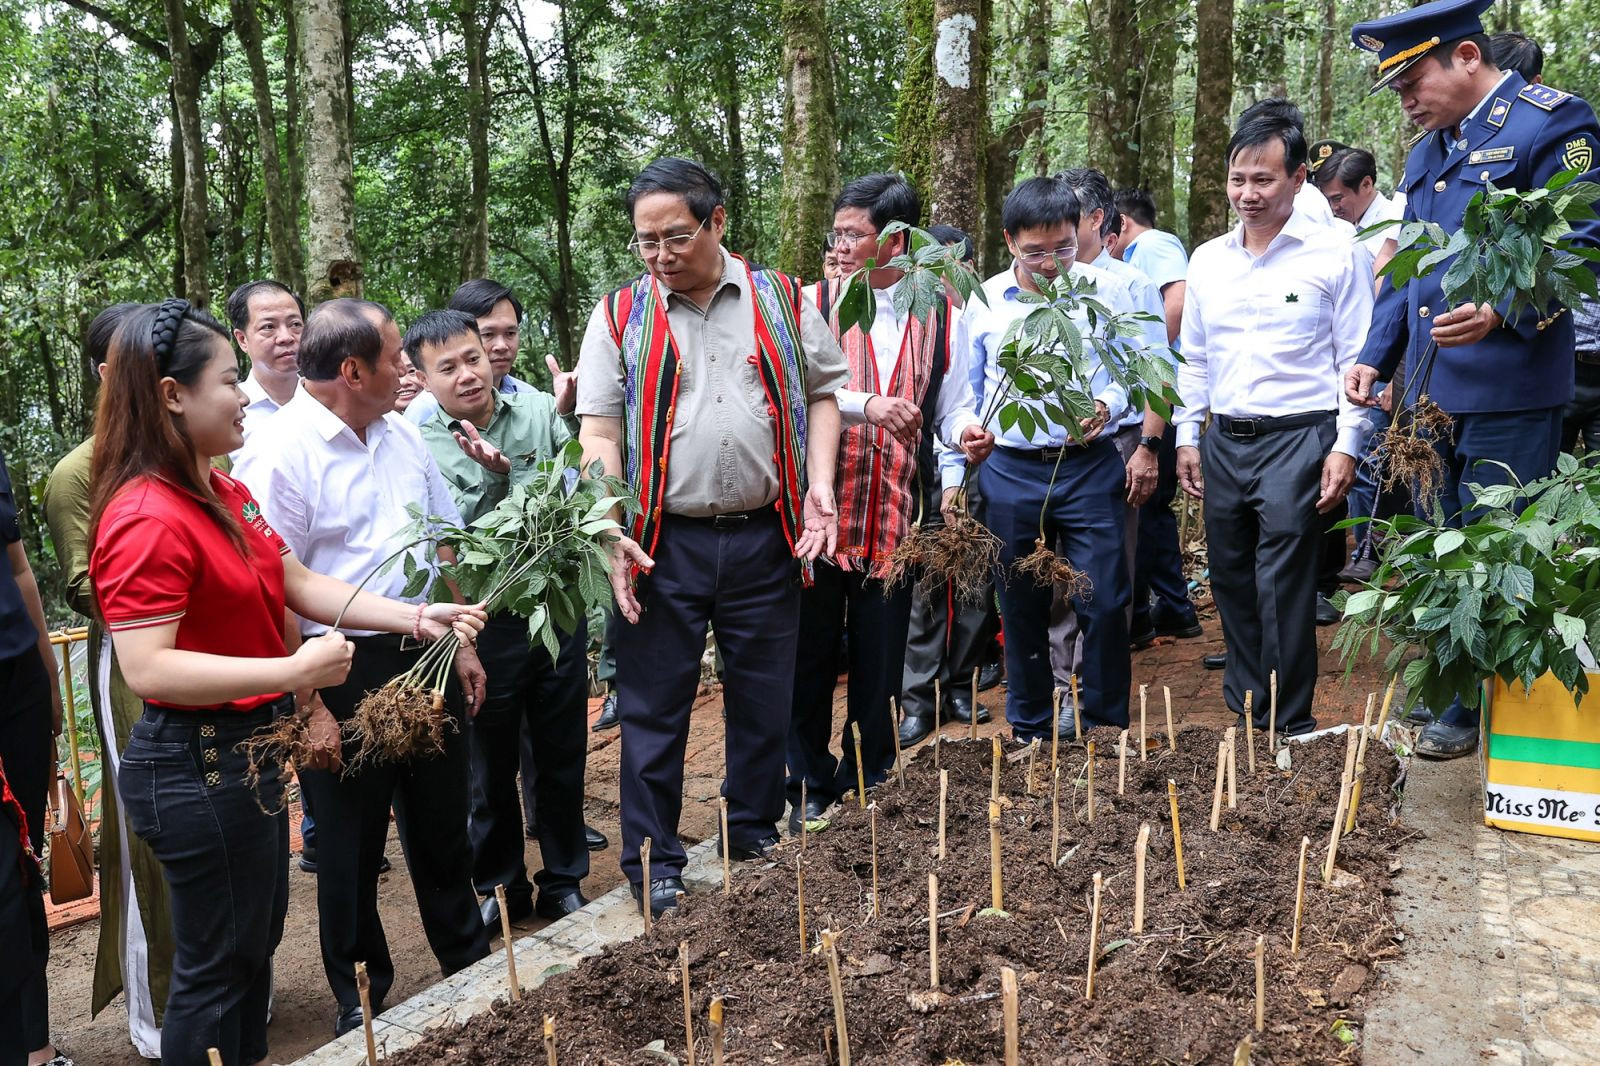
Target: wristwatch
(1153, 443)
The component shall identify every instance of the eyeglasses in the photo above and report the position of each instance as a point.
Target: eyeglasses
(844, 242)
(1065, 254)
(677, 245)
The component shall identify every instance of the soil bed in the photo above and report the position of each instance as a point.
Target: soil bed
(1182, 991)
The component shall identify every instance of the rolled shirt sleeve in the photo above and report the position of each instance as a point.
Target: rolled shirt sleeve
(600, 386)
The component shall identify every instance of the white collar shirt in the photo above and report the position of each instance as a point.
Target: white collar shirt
(1146, 298)
(1380, 210)
(340, 502)
(1272, 335)
(1310, 202)
(261, 407)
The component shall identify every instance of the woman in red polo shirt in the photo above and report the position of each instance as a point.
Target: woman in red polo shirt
(192, 583)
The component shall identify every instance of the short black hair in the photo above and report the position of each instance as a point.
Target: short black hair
(1348, 166)
(1516, 51)
(338, 329)
(699, 187)
(436, 327)
(1264, 129)
(1275, 107)
(885, 198)
(1445, 54)
(1113, 221)
(949, 235)
(1039, 202)
(238, 305)
(1093, 191)
(1138, 205)
(97, 338)
(478, 297)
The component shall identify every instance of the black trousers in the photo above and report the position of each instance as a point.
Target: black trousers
(873, 622)
(429, 797)
(25, 944)
(527, 694)
(1158, 581)
(28, 751)
(948, 638)
(1266, 545)
(742, 579)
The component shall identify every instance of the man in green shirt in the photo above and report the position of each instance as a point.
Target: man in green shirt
(484, 441)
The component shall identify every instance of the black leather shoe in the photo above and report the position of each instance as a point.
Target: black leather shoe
(752, 851)
(554, 907)
(663, 895)
(1421, 714)
(349, 1018)
(961, 709)
(1218, 661)
(914, 729)
(1440, 741)
(989, 675)
(594, 840)
(383, 865)
(816, 810)
(608, 714)
(519, 909)
(1153, 627)
(308, 860)
(1327, 613)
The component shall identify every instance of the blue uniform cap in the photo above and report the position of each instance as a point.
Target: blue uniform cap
(1401, 39)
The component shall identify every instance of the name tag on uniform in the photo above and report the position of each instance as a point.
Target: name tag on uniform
(1493, 155)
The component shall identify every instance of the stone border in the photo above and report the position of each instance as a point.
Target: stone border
(610, 919)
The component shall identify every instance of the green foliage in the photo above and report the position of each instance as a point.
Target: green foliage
(928, 265)
(1513, 595)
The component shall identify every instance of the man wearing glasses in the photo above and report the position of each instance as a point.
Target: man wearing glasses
(709, 386)
(1083, 509)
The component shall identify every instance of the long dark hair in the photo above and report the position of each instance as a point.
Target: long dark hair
(134, 434)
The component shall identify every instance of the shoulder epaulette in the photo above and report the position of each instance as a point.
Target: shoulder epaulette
(1544, 96)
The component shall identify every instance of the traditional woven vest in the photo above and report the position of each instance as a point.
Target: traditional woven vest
(637, 315)
(876, 479)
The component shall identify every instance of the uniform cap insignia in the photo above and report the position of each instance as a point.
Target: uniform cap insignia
(1371, 43)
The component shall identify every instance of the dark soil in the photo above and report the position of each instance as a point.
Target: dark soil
(1183, 991)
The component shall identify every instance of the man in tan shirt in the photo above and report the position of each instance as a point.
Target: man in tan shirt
(726, 371)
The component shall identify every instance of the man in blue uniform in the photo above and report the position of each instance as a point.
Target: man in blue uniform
(1504, 383)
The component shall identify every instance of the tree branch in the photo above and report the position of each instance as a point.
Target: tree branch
(124, 27)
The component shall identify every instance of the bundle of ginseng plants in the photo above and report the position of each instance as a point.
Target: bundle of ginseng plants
(542, 553)
(1512, 252)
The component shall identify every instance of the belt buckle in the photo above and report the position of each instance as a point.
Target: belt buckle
(1242, 427)
(729, 521)
(409, 643)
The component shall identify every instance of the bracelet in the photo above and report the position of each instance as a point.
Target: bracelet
(416, 624)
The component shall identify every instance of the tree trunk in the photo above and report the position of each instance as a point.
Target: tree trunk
(333, 260)
(1114, 111)
(1213, 104)
(1158, 33)
(1007, 147)
(961, 113)
(282, 235)
(913, 121)
(190, 138)
(475, 40)
(294, 161)
(1325, 90)
(741, 220)
(810, 138)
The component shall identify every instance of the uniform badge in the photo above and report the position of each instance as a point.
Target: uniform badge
(1578, 154)
(1543, 96)
(1370, 43)
(249, 512)
(1498, 112)
(1493, 155)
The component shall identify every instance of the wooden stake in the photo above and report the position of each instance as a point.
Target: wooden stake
(1216, 789)
(727, 866)
(1077, 708)
(1261, 983)
(364, 990)
(872, 811)
(1300, 896)
(1272, 714)
(996, 891)
(1055, 735)
(1033, 755)
(800, 900)
(894, 731)
(214, 1055)
(716, 1030)
(550, 1039)
(1008, 995)
(1144, 753)
(1055, 820)
(832, 949)
(933, 930)
(1361, 765)
(1388, 700)
(861, 771)
(1141, 847)
(1122, 763)
(972, 726)
(944, 794)
(994, 762)
(1172, 734)
(1177, 833)
(1094, 938)
(1090, 766)
(1233, 767)
(644, 861)
(1249, 734)
(505, 936)
(1338, 824)
(805, 821)
(938, 739)
(688, 1001)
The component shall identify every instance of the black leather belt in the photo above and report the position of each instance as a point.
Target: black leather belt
(1591, 358)
(1050, 455)
(1256, 427)
(728, 519)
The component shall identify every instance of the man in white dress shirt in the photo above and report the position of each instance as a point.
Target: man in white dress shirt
(1348, 180)
(1276, 312)
(267, 320)
(907, 383)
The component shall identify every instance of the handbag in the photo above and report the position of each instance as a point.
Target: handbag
(71, 847)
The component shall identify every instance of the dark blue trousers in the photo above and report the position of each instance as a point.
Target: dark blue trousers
(1159, 587)
(1084, 512)
(741, 579)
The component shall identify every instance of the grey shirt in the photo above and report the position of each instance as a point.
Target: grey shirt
(723, 441)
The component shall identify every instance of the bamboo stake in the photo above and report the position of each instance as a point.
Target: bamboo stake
(829, 946)
(1300, 896)
(1055, 820)
(364, 990)
(688, 1001)
(550, 1039)
(1008, 993)
(1361, 765)
(1233, 767)
(933, 930)
(994, 762)
(1216, 789)
(861, 771)
(1272, 714)
(1094, 938)
(805, 821)
(1033, 755)
(644, 861)
(944, 795)
(800, 900)
(894, 731)
(1172, 734)
(505, 936)
(1090, 765)
(716, 1030)
(1338, 824)
(1261, 983)
(1388, 699)
(1077, 708)
(872, 811)
(938, 740)
(214, 1055)
(972, 726)
(1249, 734)
(727, 867)
(1177, 833)
(1055, 736)
(1144, 753)
(996, 890)
(1122, 764)
(1141, 848)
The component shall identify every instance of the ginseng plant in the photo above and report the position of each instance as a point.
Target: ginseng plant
(1512, 252)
